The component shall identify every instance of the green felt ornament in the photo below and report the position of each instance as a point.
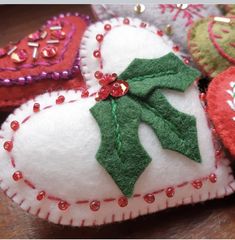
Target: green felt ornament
(212, 44)
(121, 152)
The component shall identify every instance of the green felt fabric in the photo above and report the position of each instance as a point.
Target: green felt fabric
(204, 52)
(121, 153)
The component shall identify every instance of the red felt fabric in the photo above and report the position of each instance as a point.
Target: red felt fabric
(16, 95)
(219, 111)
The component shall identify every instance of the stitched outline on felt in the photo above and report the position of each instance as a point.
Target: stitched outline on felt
(30, 185)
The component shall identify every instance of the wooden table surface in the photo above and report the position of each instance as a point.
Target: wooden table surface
(213, 219)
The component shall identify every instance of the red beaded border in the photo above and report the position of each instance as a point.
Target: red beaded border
(96, 203)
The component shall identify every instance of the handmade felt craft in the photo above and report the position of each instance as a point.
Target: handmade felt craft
(212, 44)
(45, 60)
(172, 19)
(138, 143)
(221, 108)
(229, 9)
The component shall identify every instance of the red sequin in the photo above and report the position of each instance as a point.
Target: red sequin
(99, 37)
(119, 88)
(98, 75)
(49, 51)
(8, 145)
(197, 184)
(95, 205)
(103, 93)
(126, 21)
(160, 33)
(60, 99)
(176, 48)
(107, 27)
(213, 178)
(170, 192)
(15, 125)
(58, 34)
(96, 54)
(17, 176)
(149, 198)
(186, 61)
(218, 154)
(36, 107)
(107, 79)
(122, 201)
(63, 205)
(41, 195)
(3, 52)
(19, 56)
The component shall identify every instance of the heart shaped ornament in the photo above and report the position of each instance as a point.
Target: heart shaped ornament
(220, 100)
(173, 19)
(45, 60)
(212, 44)
(140, 145)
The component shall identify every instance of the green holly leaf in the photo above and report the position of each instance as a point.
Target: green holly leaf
(121, 152)
(168, 72)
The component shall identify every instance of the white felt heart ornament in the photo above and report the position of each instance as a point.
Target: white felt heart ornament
(52, 172)
(111, 45)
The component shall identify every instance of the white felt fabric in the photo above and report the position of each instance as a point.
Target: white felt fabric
(122, 44)
(161, 15)
(55, 149)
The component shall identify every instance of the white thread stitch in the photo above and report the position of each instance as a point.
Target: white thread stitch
(231, 103)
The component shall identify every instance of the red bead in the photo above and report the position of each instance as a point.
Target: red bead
(95, 205)
(213, 178)
(170, 192)
(122, 201)
(3, 52)
(85, 94)
(8, 145)
(98, 75)
(149, 198)
(143, 25)
(197, 184)
(15, 125)
(119, 88)
(63, 205)
(17, 176)
(103, 93)
(218, 154)
(49, 51)
(176, 48)
(41, 195)
(19, 56)
(186, 61)
(107, 27)
(99, 37)
(36, 107)
(126, 21)
(160, 33)
(58, 34)
(60, 99)
(96, 54)
(202, 97)
(34, 36)
(214, 131)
